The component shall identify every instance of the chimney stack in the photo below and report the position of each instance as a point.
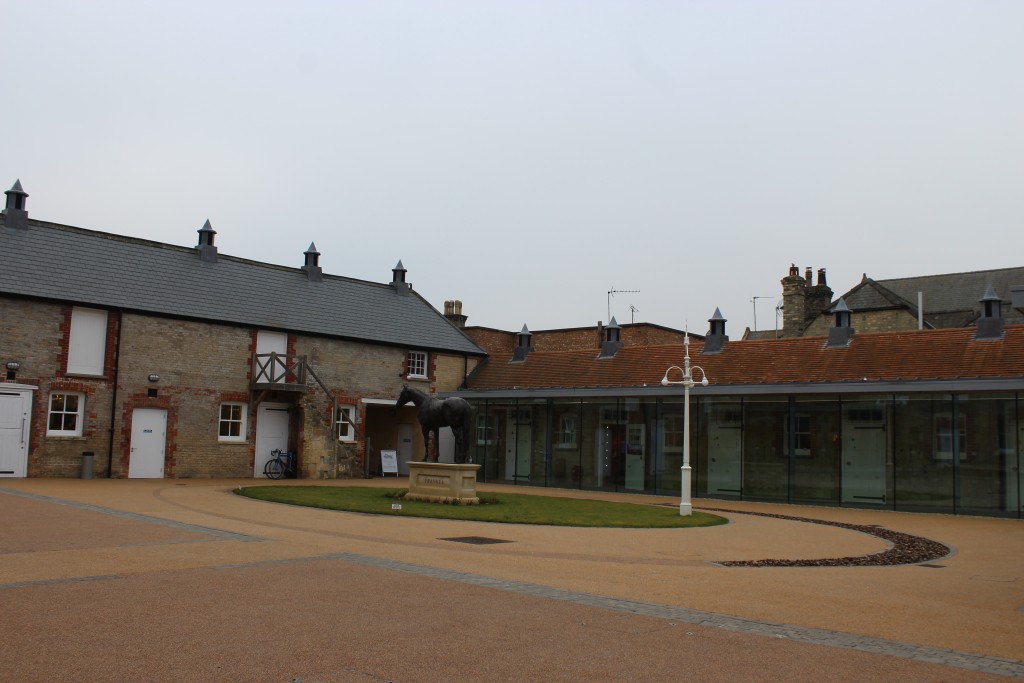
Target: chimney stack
(453, 312)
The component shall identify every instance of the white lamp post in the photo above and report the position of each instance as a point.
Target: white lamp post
(685, 506)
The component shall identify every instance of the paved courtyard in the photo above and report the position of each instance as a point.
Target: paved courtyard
(162, 580)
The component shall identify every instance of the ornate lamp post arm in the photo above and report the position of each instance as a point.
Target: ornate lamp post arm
(685, 504)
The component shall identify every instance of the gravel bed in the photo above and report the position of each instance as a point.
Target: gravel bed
(904, 548)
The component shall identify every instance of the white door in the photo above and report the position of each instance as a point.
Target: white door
(517, 451)
(635, 457)
(271, 433)
(864, 456)
(404, 448)
(725, 449)
(149, 443)
(15, 421)
(271, 342)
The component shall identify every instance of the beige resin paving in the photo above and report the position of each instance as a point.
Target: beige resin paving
(217, 573)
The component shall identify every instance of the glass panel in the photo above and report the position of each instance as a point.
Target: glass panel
(923, 458)
(639, 467)
(718, 465)
(867, 451)
(567, 419)
(532, 443)
(988, 463)
(489, 438)
(765, 451)
(603, 443)
(669, 459)
(816, 446)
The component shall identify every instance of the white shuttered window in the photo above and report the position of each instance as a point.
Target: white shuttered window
(88, 342)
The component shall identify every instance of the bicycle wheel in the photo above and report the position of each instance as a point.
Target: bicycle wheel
(274, 469)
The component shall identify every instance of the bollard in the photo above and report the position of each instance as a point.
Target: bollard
(87, 457)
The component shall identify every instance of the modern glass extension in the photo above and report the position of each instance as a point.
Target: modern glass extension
(930, 452)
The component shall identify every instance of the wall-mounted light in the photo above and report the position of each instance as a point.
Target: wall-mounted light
(13, 365)
(154, 377)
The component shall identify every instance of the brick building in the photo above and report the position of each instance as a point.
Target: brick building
(920, 420)
(169, 361)
(910, 303)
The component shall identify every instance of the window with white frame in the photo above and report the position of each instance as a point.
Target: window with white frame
(417, 364)
(484, 429)
(87, 342)
(672, 433)
(344, 423)
(66, 414)
(566, 437)
(232, 422)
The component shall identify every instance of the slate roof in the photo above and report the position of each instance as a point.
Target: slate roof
(950, 300)
(86, 267)
(890, 357)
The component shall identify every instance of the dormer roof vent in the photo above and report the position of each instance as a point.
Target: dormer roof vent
(312, 265)
(207, 250)
(841, 334)
(398, 279)
(716, 339)
(612, 340)
(990, 324)
(15, 213)
(523, 347)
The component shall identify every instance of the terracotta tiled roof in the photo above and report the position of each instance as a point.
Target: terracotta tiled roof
(948, 354)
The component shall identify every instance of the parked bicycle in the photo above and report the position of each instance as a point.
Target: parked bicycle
(279, 465)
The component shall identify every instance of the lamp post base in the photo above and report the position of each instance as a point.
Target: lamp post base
(685, 506)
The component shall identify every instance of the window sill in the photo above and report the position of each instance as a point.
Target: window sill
(66, 437)
(78, 375)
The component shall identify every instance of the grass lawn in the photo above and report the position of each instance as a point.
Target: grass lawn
(512, 508)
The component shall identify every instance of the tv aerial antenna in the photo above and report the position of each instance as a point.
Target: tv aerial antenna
(754, 301)
(633, 310)
(612, 292)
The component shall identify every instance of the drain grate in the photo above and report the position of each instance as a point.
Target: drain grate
(475, 540)
(933, 566)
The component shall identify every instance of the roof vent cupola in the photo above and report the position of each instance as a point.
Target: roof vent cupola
(990, 324)
(523, 347)
(312, 265)
(612, 340)
(398, 279)
(841, 334)
(15, 213)
(716, 339)
(207, 250)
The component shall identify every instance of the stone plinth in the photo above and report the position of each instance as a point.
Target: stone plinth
(439, 482)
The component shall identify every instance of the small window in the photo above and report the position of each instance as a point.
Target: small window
(232, 422)
(65, 417)
(344, 423)
(87, 342)
(417, 364)
(566, 437)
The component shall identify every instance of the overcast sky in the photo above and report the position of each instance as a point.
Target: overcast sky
(529, 157)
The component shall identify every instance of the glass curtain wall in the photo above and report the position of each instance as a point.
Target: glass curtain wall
(566, 443)
(929, 434)
(640, 471)
(669, 454)
(988, 467)
(816, 449)
(766, 448)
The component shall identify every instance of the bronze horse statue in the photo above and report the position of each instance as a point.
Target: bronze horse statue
(434, 413)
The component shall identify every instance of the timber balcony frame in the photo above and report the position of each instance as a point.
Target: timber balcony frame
(278, 372)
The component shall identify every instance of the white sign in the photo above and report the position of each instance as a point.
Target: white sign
(389, 462)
